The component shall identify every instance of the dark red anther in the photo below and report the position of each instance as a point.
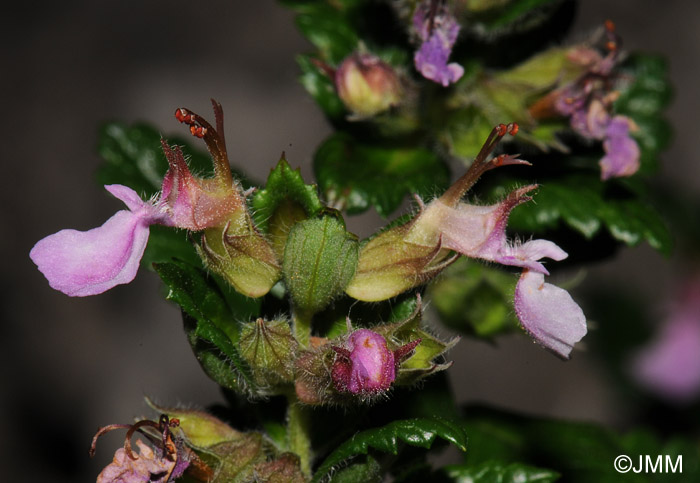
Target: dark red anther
(198, 131)
(513, 128)
(609, 25)
(498, 160)
(502, 129)
(183, 115)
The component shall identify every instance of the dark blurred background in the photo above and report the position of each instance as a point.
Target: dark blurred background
(72, 365)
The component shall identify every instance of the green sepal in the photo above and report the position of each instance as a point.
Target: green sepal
(201, 429)
(319, 260)
(422, 362)
(284, 201)
(475, 299)
(354, 175)
(270, 349)
(420, 432)
(210, 324)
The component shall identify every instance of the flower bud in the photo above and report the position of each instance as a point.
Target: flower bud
(365, 365)
(367, 85)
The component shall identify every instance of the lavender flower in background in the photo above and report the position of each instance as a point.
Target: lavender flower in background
(438, 31)
(669, 365)
(588, 102)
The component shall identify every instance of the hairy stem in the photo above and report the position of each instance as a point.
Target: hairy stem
(299, 432)
(302, 327)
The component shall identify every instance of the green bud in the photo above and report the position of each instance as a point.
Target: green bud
(367, 85)
(240, 254)
(270, 349)
(319, 260)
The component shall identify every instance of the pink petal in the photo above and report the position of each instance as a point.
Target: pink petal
(81, 263)
(528, 254)
(548, 314)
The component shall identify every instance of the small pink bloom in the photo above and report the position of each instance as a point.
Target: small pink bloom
(548, 314)
(81, 263)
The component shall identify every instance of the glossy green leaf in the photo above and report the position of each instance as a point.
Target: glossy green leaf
(580, 452)
(474, 298)
(586, 205)
(209, 319)
(328, 28)
(420, 432)
(357, 176)
(320, 258)
(497, 472)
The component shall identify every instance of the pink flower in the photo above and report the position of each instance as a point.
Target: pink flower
(367, 365)
(546, 312)
(438, 31)
(81, 263)
(145, 468)
(588, 102)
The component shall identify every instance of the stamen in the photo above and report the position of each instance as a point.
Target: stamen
(216, 144)
(481, 163)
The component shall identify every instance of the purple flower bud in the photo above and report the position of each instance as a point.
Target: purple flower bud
(438, 31)
(367, 85)
(365, 366)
